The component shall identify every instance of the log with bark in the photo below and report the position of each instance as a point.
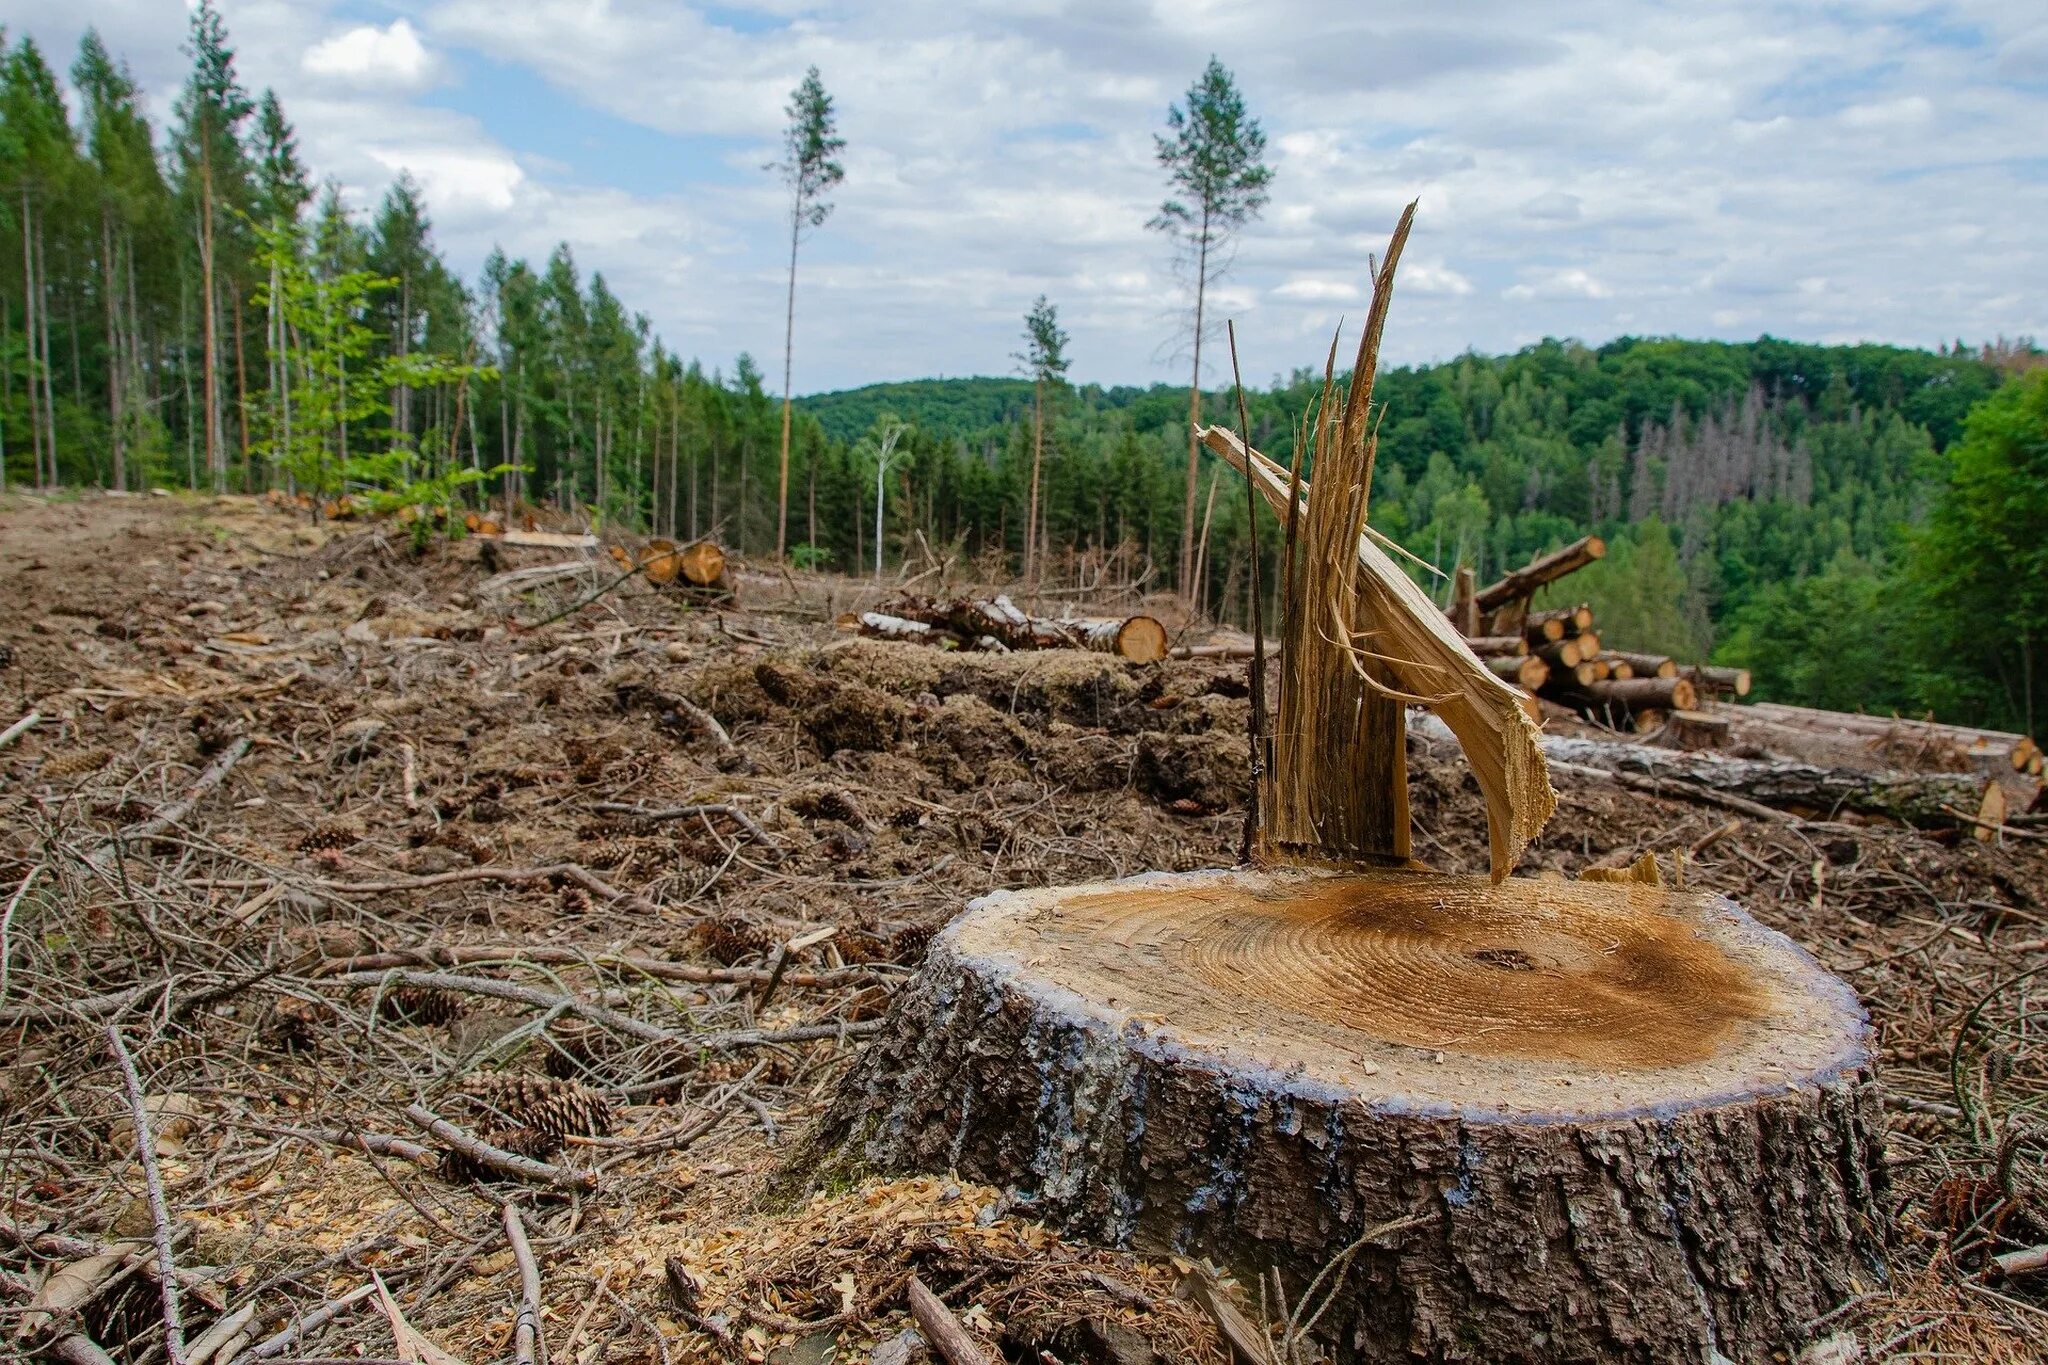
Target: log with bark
(1924, 800)
(1646, 665)
(1494, 646)
(1717, 682)
(1885, 742)
(1556, 625)
(1526, 671)
(969, 623)
(1546, 569)
(1616, 700)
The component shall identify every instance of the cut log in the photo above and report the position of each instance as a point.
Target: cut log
(1544, 627)
(1492, 646)
(1618, 668)
(1464, 610)
(1720, 682)
(546, 540)
(1629, 1123)
(1141, 639)
(1233, 650)
(1855, 739)
(661, 561)
(1526, 672)
(1562, 654)
(1620, 698)
(1924, 800)
(703, 563)
(1547, 569)
(1646, 665)
(1556, 625)
(1697, 730)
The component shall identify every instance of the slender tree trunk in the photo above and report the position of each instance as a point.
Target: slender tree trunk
(216, 457)
(1037, 461)
(788, 345)
(6, 384)
(49, 370)
(241, 389)
(28, 350)
(110, 278)
(1187, 535)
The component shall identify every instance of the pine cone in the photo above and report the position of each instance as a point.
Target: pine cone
(575, 901)
(727, 941)
(575, 1047)
(1959, 1201)
(75, 762)
(420, 1005)
(826, 803)
(912, 944)
(1921, 1127)
(544, 1104)
(330, 834)
(293, 1026)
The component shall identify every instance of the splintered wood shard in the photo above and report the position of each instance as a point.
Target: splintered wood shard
(1362, 641)
(1429, 658)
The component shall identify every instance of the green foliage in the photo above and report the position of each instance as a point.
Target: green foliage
(1641, 595)
(811, 147)
(1213, 153)
(1981, 560)
(808, 556)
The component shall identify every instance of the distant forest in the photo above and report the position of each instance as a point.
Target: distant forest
(1865, 526)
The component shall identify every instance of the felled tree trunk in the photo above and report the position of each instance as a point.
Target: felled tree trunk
(1612, 1122)
(1928, 800)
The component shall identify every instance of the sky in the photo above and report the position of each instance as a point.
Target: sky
(1825, 170)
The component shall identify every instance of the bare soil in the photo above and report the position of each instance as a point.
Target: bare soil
(445, 852)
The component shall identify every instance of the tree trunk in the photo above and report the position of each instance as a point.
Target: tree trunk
(1604, 1122)
(241, 389)
(28, 350)
(216, 461)
(49, 370)
(1031, 506)
(1547, 569)
(110, 275)
(788, 350)
(1187, 534)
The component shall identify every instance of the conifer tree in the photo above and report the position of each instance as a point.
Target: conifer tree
(809, 168)
(214, 182)
(1044, 359)
(40, 174)
(1213, 153)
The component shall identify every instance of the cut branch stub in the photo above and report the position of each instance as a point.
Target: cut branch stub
(1633, 1123)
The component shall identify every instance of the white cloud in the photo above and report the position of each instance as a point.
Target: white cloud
(1571, 282)
(1817, 171)
(375, 58)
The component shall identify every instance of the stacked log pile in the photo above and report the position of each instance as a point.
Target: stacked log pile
(998, 623)
(1559, 654)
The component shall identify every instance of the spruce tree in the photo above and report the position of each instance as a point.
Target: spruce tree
(1213, 153)
(1044, 359)
(811, 146)
(214, 184)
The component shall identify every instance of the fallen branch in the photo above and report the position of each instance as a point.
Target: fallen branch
(510, 876)
(525, 995)
(528, 1346)
(661, 813)
(89, 1008)
(497, 1158)
(216, 772)
(20, 728)
(159, 1214)
(460, 955)
(941, 1328)
(280, 1342)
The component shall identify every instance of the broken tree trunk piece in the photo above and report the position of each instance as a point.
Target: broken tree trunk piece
(1429, 659)
(1637, 1125)
(1527, 672)
(1548, 569)
(1924, 800)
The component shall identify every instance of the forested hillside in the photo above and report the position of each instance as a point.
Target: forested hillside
(186, 308)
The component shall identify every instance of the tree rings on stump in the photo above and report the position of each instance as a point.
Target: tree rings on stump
(1627, 1123)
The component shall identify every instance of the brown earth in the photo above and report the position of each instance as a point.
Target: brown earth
(426, 770)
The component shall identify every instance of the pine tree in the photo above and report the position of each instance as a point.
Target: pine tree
(41, 172)
(283, 187)
(1214, 157)
(401, 250)
(1044, 359)
(809, 168)
(214, 183)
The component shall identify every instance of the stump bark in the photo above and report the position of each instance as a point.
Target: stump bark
(1631, 1124)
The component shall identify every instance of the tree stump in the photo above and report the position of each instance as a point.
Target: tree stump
(1629, 1123)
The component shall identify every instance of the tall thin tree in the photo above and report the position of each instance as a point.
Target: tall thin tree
(809, 167)
(211, 111)
(1044, 359)
(1214, 156)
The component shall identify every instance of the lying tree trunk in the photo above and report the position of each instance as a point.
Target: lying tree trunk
(1906, 731)
(1719, 682)
(1556, 625)
(1588, 1122)
(1617, 667)
(1855, 740)
(1527, 672)
(886, 627)
(1925, 800)
(703, 564)
(1225, 651)
(1569, 653)
(1551, 567)
(1141, 639)
(1646, 665)
(1493, 646)
(1663, 694)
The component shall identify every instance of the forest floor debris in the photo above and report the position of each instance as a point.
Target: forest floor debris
(682, 857)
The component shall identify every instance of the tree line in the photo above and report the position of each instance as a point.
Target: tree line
(195, 310)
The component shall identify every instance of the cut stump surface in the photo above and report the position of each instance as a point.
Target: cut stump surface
(1636, 1124)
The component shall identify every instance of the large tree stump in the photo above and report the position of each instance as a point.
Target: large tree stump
(1634, 1124)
